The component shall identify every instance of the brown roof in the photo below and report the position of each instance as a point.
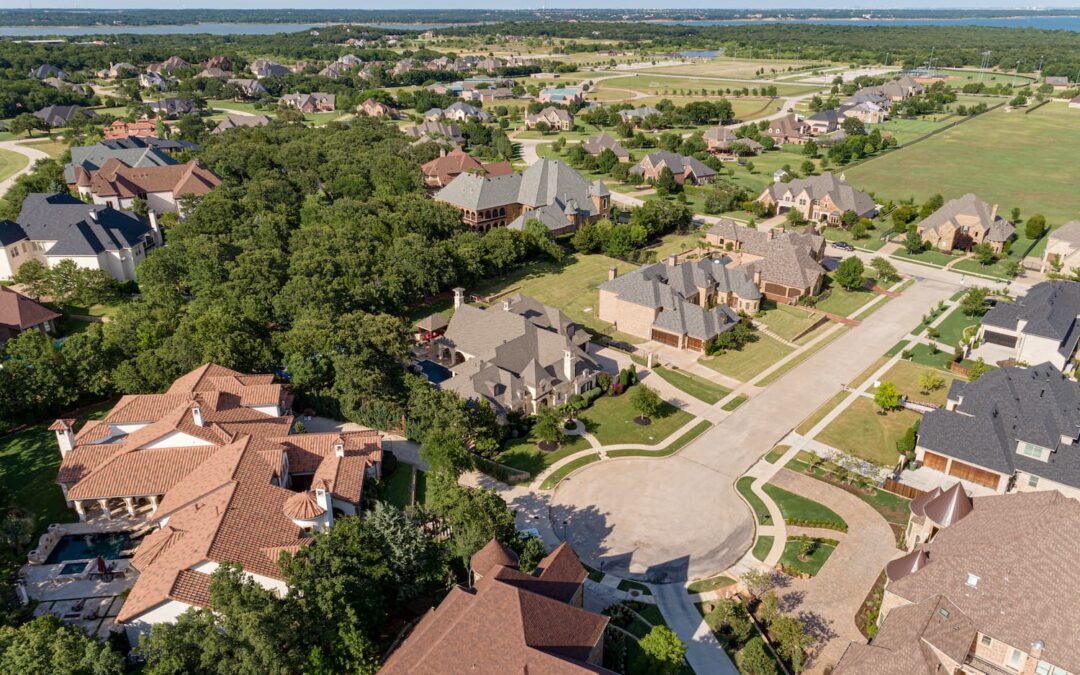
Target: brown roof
(303, 506)
(493, 554)
(20, 312)
(441, 170)
(948, 507)
(908, 564)
(116, 179)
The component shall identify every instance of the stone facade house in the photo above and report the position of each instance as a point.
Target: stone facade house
(139, 128)
(821, 199)
(241, 121)
(686, 170)
(518, 355)
(1062, 248)
(436, 131)
(788, 130)
(170, 108)
(556, 118)
(682, 305)
(723, 141)
(1012, 430)
(316, 101)
(1039, 327)
(549, 185)
(373, 108)
(248, 87)
(785, 266)
(994, 590)
(635, 116)
(966, 222)
(62, 115)
(508, 621)
(597, 144)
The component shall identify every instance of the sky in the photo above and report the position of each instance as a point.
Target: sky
(528, 4)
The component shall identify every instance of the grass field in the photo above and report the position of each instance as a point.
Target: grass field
(656, 83)
(50, 147)
(526, 455)
(611, 421)
(747, 362)
(958, 78)
(727, 67)
(813, 563)
(10, 162)
(1026, 161)
(905, 375)
(694, 385)
(861, 431)
(785, 320)
(905, 131)
(798, 509)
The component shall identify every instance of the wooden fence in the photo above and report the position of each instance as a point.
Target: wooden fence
(901, 489)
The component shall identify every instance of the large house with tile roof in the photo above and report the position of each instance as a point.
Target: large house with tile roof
(440, 171)
(87, 160)
(683, 305)
(161, 187)
(1039, 327)
(508, 622)
(786, 266)
(52, 227)
(1012, 430)
(519, 355)
(549, 190)
(211, 465)
(965, 222)
(19, 313)
(821, 199)
(993, 590)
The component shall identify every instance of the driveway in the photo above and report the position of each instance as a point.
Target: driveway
(31, 153)
(680, 517)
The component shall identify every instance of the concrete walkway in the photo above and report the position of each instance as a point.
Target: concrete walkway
(32, 155)
(703, 652)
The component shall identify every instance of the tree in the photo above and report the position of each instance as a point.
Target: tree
(932, 204)
(791, 640)
(913, 242)
(445, 452)
(662, 652)
(666, 183)
(978, 369)
(415, 559)
(48, 645)
(886, 272)
(532, 552)
(849, 274)
(474, 516)
(1035, 226)
(548, 426)
(984, 253)
(853, 126)
(974, 301)
(930, 381)
(754, 658)
(807, 167)
(757, 582)
(810, 148)
(645, 401)
(887, 397)
(27, 122)
(858, 231)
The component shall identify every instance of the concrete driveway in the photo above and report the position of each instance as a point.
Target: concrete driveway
(680, 517)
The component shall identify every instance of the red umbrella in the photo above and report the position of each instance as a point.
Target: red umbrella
(102, 568)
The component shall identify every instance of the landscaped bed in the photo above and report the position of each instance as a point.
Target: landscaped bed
(800, 511)
(758, 506)
(813, 563)
(861, 431)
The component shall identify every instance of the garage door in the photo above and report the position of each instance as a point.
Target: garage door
(999, 338)
(665, 338)
(974, 474)
(935, 462)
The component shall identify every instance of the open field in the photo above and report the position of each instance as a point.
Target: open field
(663, 85)
(10, 162)
(861, 431)
(727, 67)
(958, 78)
(1011, 159)
(50, 147)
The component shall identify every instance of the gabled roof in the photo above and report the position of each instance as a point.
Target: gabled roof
(603, 141)
(842, 194)
(546, 182)
(238, 121)
(117, 179)
(1048, 310)
(79, 228)
(91, 158)
(679, 164)
(19, 312)
(967, 212)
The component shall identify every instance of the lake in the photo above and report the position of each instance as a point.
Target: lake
(193, 28)
(1071, 23)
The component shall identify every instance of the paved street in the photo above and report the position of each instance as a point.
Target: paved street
(680, 518)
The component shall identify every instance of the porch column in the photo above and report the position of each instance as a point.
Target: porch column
(104, 504)
(130, 504)
(153, 503)
(80, 509)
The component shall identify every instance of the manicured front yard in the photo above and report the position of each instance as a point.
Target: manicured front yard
(758, 506)
(813, 563)
(566, 469)
(799, 510)
(10, 162)
(951, 330)
(611, 421)
(694, 385)
(705, 585)
(753, 358)
(932, 257)
(670, 449)
(785, 320)
(843, 302)
(861, 431)
(762, 547)
(526, 455)
(905, 375)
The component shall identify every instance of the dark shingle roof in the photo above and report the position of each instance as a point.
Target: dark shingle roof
(1050, 310)
(67, 221)
(10, 232)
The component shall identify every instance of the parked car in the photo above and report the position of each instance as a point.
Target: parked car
(843, 246)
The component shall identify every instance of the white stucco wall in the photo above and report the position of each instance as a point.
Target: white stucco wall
(271, 410)
(177, 439)
(1034, 350)
(167, 612)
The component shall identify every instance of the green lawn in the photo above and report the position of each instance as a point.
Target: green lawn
(10, 162)
(671, 448)
(29, 461)
(50, 147)
(762, 547)
(921, 354)
(671, 86)
(758, 506)
(951, 330)
(907, 130)
(786, 321)
(611, 421)
(566, 469)
(713, 584)
(399, 486)
(905, 375)
(735, 402)
(862, 432)
(798, 510)
(746, 363)
(843, 302)
(1023, 160)
(871, 243)
(526, 455)
(932, 257)
(813, 563)
(241, 106)
(776, 453)
(628, 585)
(694, 385)
(802, 356)
(421, 487)
(892, 507)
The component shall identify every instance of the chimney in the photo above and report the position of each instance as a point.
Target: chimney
(612, 272)
(757, 277)
(568, 365)
(993, 213)
(196, 414)
(322, 495)
(459, 297)
(506, 305)
(672, 260)
(154, 227)
(1037, 648)
(339, 447)
(65, 436)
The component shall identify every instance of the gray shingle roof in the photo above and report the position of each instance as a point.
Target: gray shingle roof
(840, 191)
(59, 115)
(66, 220)
(1050, 310)
(676, 162)
(547, 182)
(967, 207)
(601, 142)
(92, 157)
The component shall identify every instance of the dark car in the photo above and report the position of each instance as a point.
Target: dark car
(843, 245)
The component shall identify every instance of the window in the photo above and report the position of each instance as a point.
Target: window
(1015, 657)
(1045, 668)
(1033, 481)
(987, 641)
(1031, 450)
(972, 580)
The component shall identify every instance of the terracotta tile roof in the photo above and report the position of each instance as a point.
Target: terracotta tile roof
(61, 424)
(82, 460)
(116, 179)
(303, 506)
(191, 587)
(143, 473)
(307, 451)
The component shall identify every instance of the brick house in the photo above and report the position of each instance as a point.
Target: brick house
(310, 103)
(788, 130)
(966, 222)
(821, 199)
(785, 266)
(686, 170)
(440, 171)
(556, 118)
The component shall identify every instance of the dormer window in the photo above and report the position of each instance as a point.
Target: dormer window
(1034, 451)
(972, 580)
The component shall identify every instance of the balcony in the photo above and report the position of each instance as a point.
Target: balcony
(981, 665)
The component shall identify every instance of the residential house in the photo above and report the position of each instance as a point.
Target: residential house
(373, 108)
(687, 170)
(824, 122)
(436, 131)
(168, 66)
(139, 128)
(891, 92)
(597, 144)
(458, 111)
(508, 622)
(335, 70)
(637, 115)
(520, 356)
(161, 187)
(995, 590)
(116, 71)
(214, 74)
(63, 115)
(316, 101)
(53, 227)
(171, 108)
(19, 313)
(785, 266)
(249, 88)
(441, 170)
(548, 190)
(564, 95)
(402, 66)
(683, 305)
(154, 81)
(350, 60)
(1039, 327)
(555, 118)
(866, 112)
(1062, 247)
(723, 141)
(241, 121)
(87, 160)
(221, 62)
(1012, 430)
(170, 145)
(966, 222)
(213, 469)
(788, 130)
(263, 68)
(45, 71)
(821, 199)
(489, 95)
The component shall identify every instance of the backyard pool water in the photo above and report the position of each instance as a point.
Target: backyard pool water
(74, 568)
(108, 545)
(435, 372)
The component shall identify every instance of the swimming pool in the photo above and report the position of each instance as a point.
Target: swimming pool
(108, 545)
(74, 568)
(434, 372)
